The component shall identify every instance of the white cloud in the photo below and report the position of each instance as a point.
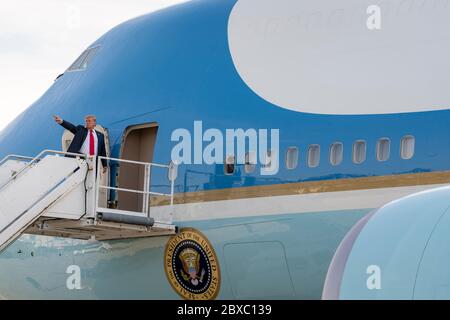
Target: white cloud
(40, 39)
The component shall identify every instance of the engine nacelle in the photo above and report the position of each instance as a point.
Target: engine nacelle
(400, 251)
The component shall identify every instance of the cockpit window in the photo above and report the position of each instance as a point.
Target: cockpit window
(84, 59)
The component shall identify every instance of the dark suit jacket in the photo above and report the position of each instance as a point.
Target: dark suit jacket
(81, 133)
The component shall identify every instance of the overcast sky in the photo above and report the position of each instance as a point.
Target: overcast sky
(40, 39)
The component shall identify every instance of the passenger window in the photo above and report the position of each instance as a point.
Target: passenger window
(383, 149)
(359, 151)
(250, 162)
(267, 161)
(336, 153)
(407, 147)
(230, 165)
(292, 158)
(313, 156)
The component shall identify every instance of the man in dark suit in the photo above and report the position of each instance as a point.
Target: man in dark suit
(86, 139)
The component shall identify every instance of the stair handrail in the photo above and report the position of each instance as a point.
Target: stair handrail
(37, 159)
(147, 184)
(14, 156)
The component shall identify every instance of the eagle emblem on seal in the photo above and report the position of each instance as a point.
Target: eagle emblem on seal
(191, 265)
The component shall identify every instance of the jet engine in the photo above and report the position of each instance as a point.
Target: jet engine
(400, 251)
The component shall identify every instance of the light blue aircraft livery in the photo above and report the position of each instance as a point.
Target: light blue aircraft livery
(257, 149)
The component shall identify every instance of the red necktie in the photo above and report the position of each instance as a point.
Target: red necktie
(91, 143)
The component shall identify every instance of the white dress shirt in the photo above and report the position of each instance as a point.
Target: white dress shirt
(86, 145)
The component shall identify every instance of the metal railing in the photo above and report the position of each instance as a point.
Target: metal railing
(14, 157)
(146, 192)
(34, 160)
(96, 179)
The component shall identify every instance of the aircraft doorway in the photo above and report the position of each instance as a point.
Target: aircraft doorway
(137, 145)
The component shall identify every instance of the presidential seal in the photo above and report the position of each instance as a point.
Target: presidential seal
(191, 266)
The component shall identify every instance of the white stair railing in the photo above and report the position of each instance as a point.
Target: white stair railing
(15, 157)
(57, 211)
(146, 192)
(34, 160)
(31, 193)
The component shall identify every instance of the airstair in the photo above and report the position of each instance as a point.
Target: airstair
(63, 195)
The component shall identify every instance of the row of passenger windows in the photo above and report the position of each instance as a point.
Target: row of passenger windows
(359, 152)
(336, 156)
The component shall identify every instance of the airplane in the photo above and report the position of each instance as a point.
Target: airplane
(352, 204)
